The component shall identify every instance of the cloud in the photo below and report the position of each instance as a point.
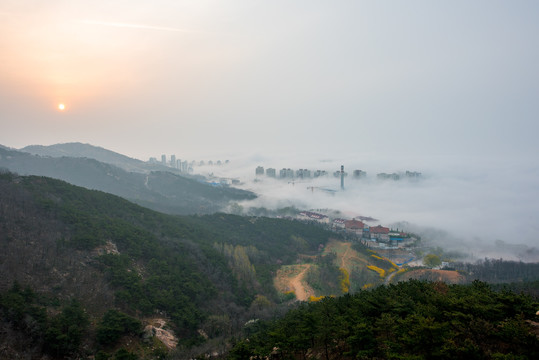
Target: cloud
(475, 202)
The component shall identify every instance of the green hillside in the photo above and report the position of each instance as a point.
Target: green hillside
(412, 320)
(68, 243)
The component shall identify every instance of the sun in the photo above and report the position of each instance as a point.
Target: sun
(61, 107)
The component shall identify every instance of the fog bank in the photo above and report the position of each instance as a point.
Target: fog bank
(476, 203)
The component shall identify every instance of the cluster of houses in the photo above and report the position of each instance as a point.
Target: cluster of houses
(373, 236)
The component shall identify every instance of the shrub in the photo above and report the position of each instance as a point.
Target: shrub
(115, 324)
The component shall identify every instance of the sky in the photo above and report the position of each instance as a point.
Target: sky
(198, 78)
(448, 88)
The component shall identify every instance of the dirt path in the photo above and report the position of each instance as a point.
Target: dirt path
(345, 257)
(300, 290)
(389, 277)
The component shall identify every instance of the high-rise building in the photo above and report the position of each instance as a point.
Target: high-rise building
(259, 170)
(185, 166)
(413, 174)
(164, 159)
(173, 160)
(303, 173)
(270, 172)
(286, 173)
(358, 174)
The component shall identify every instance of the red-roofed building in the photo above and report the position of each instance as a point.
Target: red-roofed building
(314, 216)
(354, 226)
(379, 232)
(339, 223)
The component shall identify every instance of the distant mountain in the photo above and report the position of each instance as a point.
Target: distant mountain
(80, 150)
(158, 190)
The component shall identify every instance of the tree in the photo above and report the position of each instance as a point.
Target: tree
(114, 324)
(65, 332)
(240, 352)
(432, 260)
(123, 354)
(236, 209)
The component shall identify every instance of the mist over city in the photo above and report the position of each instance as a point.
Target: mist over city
(468, 206)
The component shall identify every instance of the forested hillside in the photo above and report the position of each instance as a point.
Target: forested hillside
(79, 150)
(159, 190)
(205, 274)
(499, 271)
(411, 320)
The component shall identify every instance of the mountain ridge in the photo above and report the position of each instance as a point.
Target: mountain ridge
(159, 190)
(85, 150)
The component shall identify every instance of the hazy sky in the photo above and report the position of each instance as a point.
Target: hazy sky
(200, 78)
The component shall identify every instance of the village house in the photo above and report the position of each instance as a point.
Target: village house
(354, 226)
(309, 215)
(379, 233)
(339, 223)
(398, 239)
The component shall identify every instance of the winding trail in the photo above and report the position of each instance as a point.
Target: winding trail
(390, 276)
(302, 293)
(344, 258)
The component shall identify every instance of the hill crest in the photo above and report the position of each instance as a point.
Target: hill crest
(82, 150)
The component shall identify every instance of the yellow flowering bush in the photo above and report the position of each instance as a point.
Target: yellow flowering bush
(345, 280)
(381, 272)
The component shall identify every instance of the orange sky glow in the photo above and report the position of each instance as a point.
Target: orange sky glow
(407, 71)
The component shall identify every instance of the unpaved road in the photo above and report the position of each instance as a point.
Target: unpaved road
(302, 293)
(389, 277)
(345, 257)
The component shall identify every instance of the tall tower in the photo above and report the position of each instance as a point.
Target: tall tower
(342, 177)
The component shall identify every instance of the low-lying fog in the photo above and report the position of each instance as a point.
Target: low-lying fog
(483, 208)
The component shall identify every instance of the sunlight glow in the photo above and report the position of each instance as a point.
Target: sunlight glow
(134, 26)
(61, 107)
